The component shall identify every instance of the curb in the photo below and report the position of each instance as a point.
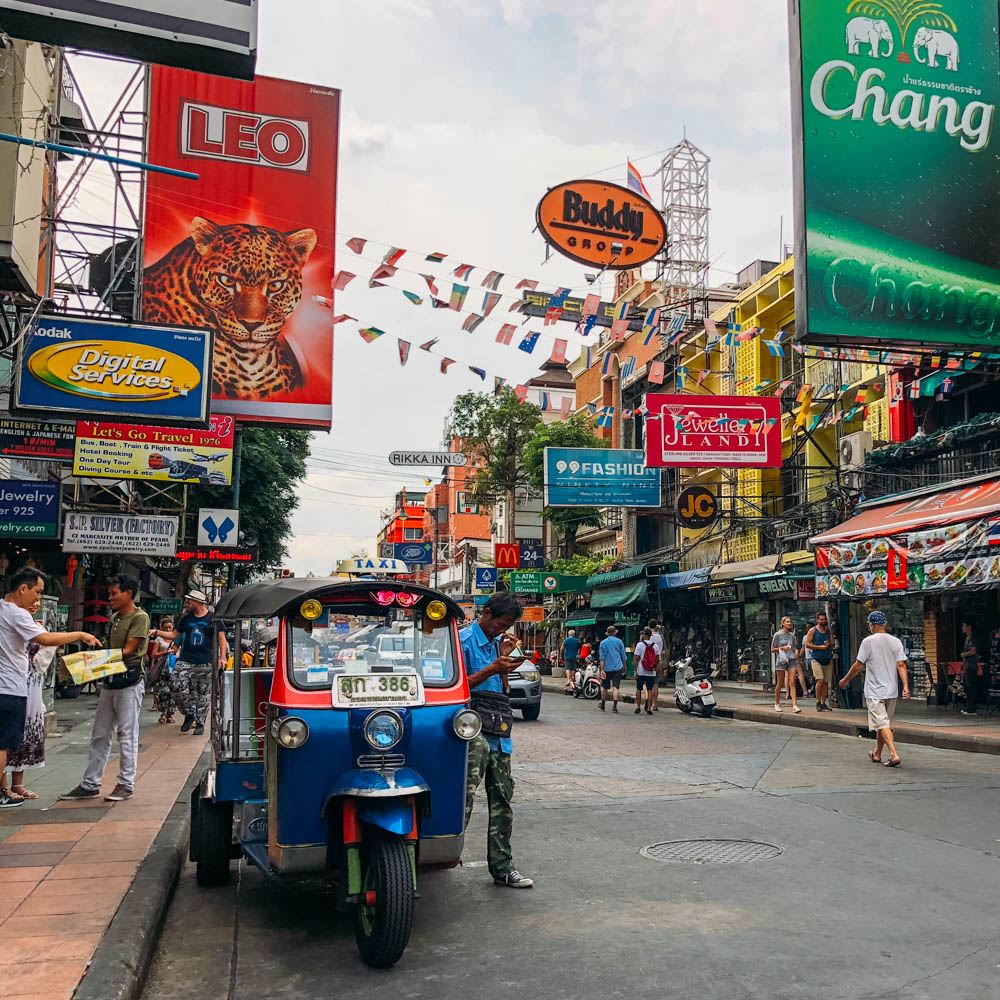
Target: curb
(119, 966)
(902, 732)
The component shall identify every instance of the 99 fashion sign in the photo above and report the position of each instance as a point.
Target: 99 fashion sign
(897, 231)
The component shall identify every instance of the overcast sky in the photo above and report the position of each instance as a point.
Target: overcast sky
(456, 117)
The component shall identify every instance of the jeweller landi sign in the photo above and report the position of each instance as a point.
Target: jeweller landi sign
(897, 233)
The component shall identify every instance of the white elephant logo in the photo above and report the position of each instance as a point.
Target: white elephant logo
(871, 32)
(936, 43)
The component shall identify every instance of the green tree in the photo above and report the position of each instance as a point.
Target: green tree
(494, 432)
(576, 432)
(273, 464)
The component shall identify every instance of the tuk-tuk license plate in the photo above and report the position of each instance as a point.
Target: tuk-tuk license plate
(377, 690)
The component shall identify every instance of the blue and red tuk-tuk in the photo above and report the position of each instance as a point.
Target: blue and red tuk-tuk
(342, 749)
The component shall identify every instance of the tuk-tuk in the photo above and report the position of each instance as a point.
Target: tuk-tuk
(342, 750)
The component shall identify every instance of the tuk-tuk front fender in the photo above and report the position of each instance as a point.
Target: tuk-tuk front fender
(376, 791)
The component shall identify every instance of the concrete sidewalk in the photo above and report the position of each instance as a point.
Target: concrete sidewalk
(915, 722)
(65, 867)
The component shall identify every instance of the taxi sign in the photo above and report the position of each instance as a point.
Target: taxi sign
(368, 565)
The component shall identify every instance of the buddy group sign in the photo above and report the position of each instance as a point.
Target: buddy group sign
(897, 230)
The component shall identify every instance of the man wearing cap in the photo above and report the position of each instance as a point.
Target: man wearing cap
(191, 681)
(883, 656)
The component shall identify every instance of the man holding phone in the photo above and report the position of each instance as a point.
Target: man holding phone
(486, 649)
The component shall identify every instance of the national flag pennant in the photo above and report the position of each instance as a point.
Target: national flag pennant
(947, 384)
(590, 306)
(634, 180)
(471, 322)
(498, 384)
(481, 372)
(393, 256)
(559, 298)
(608, 365)
(528, 343)
(343, 318)
(620, 311)
(506, 333)
(710, 328)
(458, 293)
(370, 334)
(701, 376)
(733, 326)
(897, 393)
(626, 414)
(413, 297)
(589, 324)
(588, 357)
(774, 348)
(558, 354)
(404, 350)
(429, 278)
(657, 372)
(492, 280)
(521, 392)
(552, 315)
(915, 390)
(439, 303)
(356, 243)
(526, 283)
(445, 364)
(652, 317)
(490, 301)
(463, 271)
(564, 408)
(649, 333)
(681, 376)
(953, 363)
(676, 323)
(428, 344)
(591, 409)
(516, 307)
(436, 257)
(619, 330)
(545, 403)
(606, 417)
(627, 368)
(372, 283)
(342, 279)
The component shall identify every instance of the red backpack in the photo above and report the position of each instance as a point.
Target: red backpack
(649, 658)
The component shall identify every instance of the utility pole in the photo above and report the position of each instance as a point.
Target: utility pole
(237, 464)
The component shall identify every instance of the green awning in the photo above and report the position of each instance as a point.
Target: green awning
(602, 579)
(581, 620)
(619, 594)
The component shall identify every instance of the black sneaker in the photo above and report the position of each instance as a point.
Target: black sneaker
(81, 793)
(601, 706)
(119, 794)
(187, 723)
(637, 711)
(515, 880)
(614, 707)
(8, 801)
(199, 729)
(649, 711)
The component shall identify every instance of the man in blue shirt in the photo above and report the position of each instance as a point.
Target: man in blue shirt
(612, 656)
(570, 650)
(486, 649)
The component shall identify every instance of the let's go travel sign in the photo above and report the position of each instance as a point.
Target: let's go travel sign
(88, 368)
(897, 168)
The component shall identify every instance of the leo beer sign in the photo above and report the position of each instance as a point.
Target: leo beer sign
(707, 431)
(601, 224)
(247, 249)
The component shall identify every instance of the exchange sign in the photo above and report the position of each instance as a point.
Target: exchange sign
(896, 171)
(595, 477)
(708, 431)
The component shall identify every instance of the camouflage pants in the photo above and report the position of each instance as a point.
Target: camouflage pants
(494, 766)
(191, 684)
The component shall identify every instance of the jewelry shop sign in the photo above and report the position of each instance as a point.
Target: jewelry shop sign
(120, 534)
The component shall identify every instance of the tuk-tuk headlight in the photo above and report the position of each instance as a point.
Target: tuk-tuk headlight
(311, 609)
(467, 724)
(383, 730)
(292, 732)
(436, 610)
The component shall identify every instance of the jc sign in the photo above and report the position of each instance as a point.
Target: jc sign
(697, 507)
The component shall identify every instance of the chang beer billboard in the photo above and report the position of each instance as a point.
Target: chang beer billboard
(897, 170)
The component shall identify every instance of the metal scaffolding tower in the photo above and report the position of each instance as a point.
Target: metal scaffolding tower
(683, 274)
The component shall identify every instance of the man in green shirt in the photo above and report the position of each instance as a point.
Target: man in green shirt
(121, 697)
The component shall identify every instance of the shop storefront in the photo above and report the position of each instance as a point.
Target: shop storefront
(930, 560)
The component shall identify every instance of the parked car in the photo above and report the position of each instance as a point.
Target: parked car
(526, 690)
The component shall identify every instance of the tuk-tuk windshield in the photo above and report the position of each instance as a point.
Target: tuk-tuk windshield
(361, 644)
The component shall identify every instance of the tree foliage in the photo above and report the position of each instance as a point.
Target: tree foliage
(576, 432)
(273, 463)
(495, 431)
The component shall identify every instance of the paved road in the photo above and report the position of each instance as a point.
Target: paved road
(888, 885)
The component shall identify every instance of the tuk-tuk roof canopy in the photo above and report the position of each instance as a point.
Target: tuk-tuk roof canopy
(276, 597)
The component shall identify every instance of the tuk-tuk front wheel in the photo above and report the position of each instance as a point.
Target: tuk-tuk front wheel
(211, 840)
(384, 917)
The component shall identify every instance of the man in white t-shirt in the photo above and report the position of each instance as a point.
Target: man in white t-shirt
(885, 661)
(17, 630)
(657, 637)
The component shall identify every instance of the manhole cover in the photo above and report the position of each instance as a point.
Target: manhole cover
(711, 852)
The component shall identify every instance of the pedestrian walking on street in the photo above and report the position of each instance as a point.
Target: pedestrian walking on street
(18, 630)
(161, 662)
(646, 666)
(785, 647)
(570, 650)
(120, 700)
(486, 649)
(612, 657)
(818, 643)
(883, 657)
(970, 659)
(191, 681)
(657, 638)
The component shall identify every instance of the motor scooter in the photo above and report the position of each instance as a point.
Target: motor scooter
(693, 687)
(587, 679)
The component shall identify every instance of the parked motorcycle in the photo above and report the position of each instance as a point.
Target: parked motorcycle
(693, 687)
(587, 679)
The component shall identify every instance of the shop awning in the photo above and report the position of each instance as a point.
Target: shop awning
(959, 502)
(580, 618)
(686, 578)
(618, 594)
(797, 558)
(746, 568)
(603, 579)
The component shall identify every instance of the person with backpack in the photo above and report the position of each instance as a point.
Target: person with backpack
(647, 661)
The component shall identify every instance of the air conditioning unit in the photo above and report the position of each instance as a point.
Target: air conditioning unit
(853, 449)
